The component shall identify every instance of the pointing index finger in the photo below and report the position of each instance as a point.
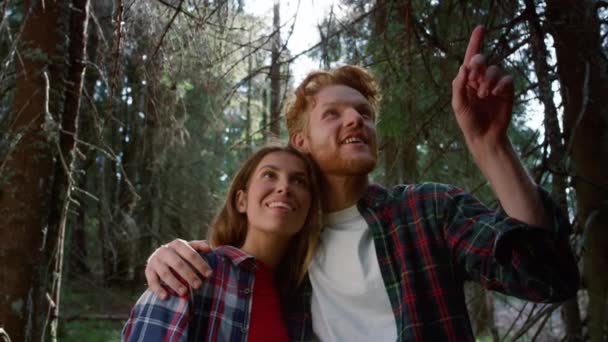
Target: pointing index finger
(475, 43)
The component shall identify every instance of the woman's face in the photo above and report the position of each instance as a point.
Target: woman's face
(278, 198)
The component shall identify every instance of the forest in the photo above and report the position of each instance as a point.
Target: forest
(123, 121)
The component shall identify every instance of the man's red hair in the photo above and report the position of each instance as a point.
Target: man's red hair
(298, 107)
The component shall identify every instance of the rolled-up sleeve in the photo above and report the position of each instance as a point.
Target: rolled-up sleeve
(507, 255)
(153, 319)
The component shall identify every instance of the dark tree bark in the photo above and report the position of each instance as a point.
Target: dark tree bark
(275, 75)
(27, 175)
(389, 143)
(400, 154)
(265, 114)
(248, 145)
(149, 211)
(105, 187)
(86, 130)
(109, 181)
(63, 181)
(408, 148)
(391, 161)
(554, 137)
(582, 66)
(45, 110)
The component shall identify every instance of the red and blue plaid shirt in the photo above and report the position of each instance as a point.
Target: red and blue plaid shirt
(218, 311)
(431, 238)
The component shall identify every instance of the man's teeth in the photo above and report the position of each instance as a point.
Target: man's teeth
(280, 205)
(352, 140)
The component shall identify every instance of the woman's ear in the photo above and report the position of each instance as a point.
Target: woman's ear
(241, 201)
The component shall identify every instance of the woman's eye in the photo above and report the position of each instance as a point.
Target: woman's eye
(301, 181)
(268, 174)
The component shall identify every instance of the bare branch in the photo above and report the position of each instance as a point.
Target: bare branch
(581, 114)
(547, 310)
(160, 41)
(178, 9)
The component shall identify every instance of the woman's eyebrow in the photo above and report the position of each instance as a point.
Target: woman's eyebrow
(276, 168)
(269, 166)
(299, 173)
(273, 167)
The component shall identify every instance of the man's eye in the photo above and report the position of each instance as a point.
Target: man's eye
(330, 113)
(365, 112)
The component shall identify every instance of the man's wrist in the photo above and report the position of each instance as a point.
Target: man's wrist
(494, 152)
(510, 181)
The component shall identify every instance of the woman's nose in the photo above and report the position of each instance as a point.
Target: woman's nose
(282, 187)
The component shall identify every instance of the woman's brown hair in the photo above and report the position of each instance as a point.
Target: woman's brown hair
(230, 226)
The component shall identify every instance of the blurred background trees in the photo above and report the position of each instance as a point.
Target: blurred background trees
(122, 122)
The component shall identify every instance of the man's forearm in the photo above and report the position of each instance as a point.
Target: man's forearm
(513, 185)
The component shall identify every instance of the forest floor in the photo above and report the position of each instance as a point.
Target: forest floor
(92, 313)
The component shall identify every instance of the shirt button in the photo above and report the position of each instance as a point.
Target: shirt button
(247, 291)
(243, 330)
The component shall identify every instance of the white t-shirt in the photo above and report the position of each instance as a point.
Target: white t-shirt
(349, 299)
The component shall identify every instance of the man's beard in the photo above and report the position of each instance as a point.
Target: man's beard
(336, 163)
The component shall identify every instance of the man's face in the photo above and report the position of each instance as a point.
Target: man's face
(341, 135)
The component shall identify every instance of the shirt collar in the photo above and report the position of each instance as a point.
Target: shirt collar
(374, 196)
(237, 256)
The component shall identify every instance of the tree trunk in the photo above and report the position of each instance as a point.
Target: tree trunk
(79, 250)
(110, 136)
(275, 75)
(248, 144)
(27, 174)
(391, 161)
(63, 181)
(149, 172)
(409, 160)
(582, 67)
(105, 218)
(265, 119)
(389, 145)
(409, 152)
(553, 136)
(127, 196)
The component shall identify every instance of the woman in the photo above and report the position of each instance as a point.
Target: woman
(264, 239)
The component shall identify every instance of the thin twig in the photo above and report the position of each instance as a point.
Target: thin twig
(521, 312)
(581, 114)
(547, 310)
(160, 41)
(178, 9)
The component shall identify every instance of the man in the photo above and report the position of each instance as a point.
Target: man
(392, 263)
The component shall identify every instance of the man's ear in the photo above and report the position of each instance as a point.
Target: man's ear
(300, 142)
(241, 201)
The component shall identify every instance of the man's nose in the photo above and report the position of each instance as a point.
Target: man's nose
(352, 117)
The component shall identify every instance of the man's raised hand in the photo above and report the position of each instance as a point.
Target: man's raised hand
(482, 98)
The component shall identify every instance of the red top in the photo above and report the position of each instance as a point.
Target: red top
(267, 323)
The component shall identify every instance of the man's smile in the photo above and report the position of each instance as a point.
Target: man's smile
(354, 139)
